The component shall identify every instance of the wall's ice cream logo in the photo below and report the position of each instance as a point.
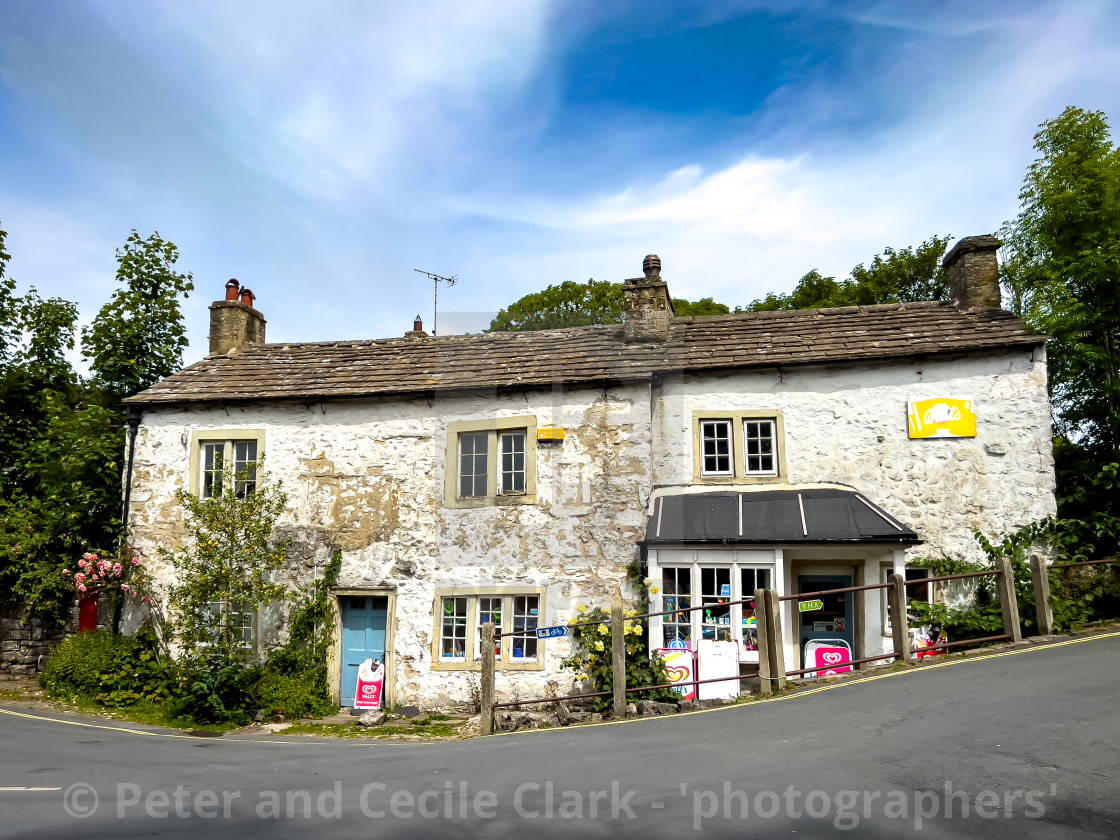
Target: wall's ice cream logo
(371, 682)
(677, 675)
(942, 417)
(681, 666)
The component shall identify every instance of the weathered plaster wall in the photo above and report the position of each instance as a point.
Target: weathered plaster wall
(368, 476)
(847, 425)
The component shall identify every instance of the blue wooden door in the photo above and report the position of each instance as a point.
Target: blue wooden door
(363, 637)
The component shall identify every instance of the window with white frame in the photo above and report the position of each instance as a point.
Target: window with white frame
(921, 592)
(474, 455)
(715, 593)
(526, 612)
(226, 621)
(491, 462)
(760, 447)
(739, 445)
(676, 584)
(713, 587)
(226, 465)
(453, 629)
(752, 578)
(462, 618)
(715, 447)
(489, 612)
(512, 446)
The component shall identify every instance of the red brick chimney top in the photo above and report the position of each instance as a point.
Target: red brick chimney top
(232, 288)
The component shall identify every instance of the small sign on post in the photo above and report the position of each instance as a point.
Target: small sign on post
(551, 632)
(810, 606)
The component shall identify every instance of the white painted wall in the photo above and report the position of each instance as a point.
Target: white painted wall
(847, 425)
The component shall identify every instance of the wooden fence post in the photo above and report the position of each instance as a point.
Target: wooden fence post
(900, 634)
(1008, 604)
(761, 619)
(487, 681)
(1040, 577)
(618, 657)
(774, 644)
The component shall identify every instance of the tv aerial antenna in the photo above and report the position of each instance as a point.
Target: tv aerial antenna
(436, 280)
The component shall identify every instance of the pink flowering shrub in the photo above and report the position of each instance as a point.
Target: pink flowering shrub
(96, 574)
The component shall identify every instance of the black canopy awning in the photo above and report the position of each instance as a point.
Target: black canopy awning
(826, 515)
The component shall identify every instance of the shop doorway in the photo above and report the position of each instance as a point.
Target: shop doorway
(364, 618)
(833, 620)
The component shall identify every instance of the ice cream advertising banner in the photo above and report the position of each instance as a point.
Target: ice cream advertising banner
(371, 680)
(951, 417)
(830, 656)
(681, 665)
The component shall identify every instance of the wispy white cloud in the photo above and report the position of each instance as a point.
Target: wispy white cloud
(340, 99)
(952, 165)
(320, 152)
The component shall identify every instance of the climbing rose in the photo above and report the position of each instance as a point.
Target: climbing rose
(135, 561)
(125, 587)
(82, 588)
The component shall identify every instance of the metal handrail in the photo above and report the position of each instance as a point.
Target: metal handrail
(802, 595)
(892, 655)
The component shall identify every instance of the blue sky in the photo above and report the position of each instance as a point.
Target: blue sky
(320, 152)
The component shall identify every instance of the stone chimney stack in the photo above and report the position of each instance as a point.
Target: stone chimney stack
(234, 322)
(974, 272)
(648, 307)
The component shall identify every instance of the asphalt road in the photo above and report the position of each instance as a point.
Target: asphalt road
(1020, 746)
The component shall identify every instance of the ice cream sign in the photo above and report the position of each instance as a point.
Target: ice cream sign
(371, 682)
(952, 417)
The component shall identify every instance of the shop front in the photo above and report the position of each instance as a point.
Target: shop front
(713, 550)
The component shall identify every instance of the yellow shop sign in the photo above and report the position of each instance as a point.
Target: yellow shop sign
(942, 417)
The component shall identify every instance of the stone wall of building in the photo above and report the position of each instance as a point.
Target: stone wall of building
(369, 476)
(847, 424)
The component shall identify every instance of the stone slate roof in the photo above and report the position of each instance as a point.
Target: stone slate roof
(587, 354)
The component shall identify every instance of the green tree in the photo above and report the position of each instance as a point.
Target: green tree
(813, 291)
(908, 274)
(138, 337)
(60, 437)
(223, 573)
(1062, 267)
(572, 304)
(700, 308)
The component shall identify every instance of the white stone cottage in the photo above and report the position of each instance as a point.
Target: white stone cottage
(512, 477)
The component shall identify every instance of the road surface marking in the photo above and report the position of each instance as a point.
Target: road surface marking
(829, 687)
(295, 740)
